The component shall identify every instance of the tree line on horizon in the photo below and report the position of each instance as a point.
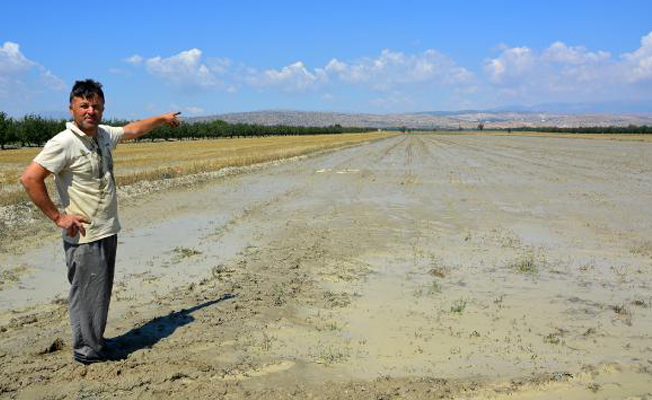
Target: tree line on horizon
(34, 130)
(630, 129)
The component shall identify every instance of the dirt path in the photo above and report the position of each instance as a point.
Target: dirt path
(420, 266)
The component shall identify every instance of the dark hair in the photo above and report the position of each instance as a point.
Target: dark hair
(87, 89)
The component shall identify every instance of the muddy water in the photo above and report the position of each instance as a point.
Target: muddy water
(156, 232)
(447, 222)
(493, 265)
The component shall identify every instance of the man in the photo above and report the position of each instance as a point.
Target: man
(81, 160)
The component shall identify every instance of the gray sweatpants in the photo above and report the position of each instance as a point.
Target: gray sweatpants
(90, 272)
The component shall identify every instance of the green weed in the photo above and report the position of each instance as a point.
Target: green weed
(459, 306)
(185, 252)
(434, 288)
(526, 264)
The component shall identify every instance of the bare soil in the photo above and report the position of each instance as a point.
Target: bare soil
(420, 266)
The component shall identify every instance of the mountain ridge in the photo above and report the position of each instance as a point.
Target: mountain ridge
(431, 119)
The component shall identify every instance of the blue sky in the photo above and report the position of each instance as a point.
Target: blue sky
(205, 58)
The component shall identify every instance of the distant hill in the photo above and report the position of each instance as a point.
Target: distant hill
(433, 119)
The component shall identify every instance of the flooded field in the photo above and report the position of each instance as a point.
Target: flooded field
(418, 266)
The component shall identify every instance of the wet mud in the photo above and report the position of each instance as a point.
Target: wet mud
(420, 266)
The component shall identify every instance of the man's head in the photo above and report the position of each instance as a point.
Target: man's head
(87, 105)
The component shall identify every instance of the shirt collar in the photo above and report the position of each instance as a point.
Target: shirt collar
(73, 127)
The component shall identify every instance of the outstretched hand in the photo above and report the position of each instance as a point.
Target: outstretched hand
(171, 118)
(136, 129)
(72, 223)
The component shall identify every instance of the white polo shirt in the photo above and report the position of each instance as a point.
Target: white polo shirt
(83, 173)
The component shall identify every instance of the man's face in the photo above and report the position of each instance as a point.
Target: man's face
(87, 113)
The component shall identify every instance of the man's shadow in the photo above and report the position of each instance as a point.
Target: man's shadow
(150, 333)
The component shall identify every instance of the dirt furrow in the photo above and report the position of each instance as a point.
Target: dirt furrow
(421, 266)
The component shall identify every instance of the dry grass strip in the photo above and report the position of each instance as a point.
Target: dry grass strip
(136, 162)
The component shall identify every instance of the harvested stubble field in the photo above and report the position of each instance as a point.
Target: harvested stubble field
(146, 167)
(147, 161)
(419, 266)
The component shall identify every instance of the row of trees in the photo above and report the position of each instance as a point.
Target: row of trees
(630, 129)
(33, 130)
(29, 130)
(221, 129)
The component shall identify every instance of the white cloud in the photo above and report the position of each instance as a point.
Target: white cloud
(558, 72)
(293, 78)
(578, 64)
(219, 65)
(391, 69)
(513, 62)
(22, 79)
(384, 73)
(521, 73)
(183, 70)
(638, 64)
(12, 60)
(335, 65)
(561, 53)
(563, 70)
(134, 60)
(51, 80)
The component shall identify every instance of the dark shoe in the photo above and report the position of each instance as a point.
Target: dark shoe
(93, 358)
(88, 360)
